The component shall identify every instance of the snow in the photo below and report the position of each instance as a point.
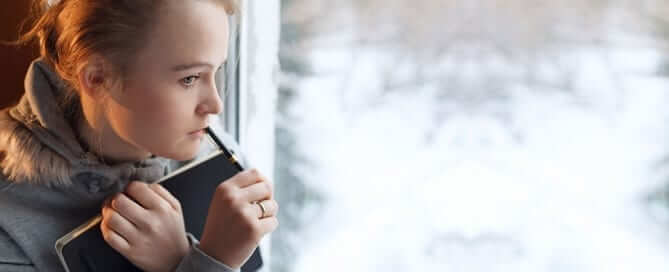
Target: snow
(557, 183)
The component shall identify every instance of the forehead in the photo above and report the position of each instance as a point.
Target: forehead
(186, 31)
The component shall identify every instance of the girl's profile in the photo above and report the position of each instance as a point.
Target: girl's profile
(120, 88)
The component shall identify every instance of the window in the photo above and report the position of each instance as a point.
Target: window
(228, 82)
(469, 135)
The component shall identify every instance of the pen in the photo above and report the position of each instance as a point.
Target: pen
(228, 154)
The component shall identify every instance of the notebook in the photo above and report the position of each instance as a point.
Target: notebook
(84, 249)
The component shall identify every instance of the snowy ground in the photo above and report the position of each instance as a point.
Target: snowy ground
(559, 184)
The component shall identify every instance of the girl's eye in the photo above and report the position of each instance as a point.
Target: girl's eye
(190, 80)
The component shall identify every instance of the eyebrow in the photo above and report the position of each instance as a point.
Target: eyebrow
(189, 66)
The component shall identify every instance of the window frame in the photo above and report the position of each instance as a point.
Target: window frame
(228, 81)
(252, 55)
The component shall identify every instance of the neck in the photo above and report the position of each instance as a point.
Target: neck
(107, 145)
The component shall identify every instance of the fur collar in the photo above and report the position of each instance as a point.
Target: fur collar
(26, 158)
(40, 147)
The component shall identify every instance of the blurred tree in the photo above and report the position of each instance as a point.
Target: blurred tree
(473, 52)
(659, 23)
(292, 192)
(507, 42)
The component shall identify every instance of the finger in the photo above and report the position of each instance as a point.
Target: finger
(129, 209)
(115, 240)
(271, 208)
(122, 226)
(166, 195)
(144, 196)
(256, 192)
(246, 178)
(269, 224)
(106, 208)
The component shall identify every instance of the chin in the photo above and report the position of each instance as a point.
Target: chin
(183, 153)
(183, 157)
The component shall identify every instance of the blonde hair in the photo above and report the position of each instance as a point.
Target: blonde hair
(68, 32)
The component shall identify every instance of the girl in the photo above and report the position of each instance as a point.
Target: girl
(120, 86)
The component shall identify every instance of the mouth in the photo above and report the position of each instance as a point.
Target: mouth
(194, 132)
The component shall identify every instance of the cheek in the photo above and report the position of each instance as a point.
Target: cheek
(155, 119)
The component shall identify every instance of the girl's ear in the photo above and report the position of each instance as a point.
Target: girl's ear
(93, 76)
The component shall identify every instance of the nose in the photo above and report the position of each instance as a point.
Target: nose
(211, 103)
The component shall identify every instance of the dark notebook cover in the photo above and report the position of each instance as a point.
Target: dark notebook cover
(193, 186)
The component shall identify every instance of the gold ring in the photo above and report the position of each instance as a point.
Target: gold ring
(262, 208)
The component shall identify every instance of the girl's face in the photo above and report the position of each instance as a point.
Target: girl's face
(170, 90)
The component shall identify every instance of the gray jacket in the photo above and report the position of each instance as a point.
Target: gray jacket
(49, 184)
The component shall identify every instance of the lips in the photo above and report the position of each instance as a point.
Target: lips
(199, 130)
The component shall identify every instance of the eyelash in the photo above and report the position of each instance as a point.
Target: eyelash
(194, 79)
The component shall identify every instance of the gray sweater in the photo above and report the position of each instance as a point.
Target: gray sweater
(49, 184)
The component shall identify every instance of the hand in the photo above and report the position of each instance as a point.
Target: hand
(235, 224)
(145, 224)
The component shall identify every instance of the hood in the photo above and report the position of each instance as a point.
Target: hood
(41, 147)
